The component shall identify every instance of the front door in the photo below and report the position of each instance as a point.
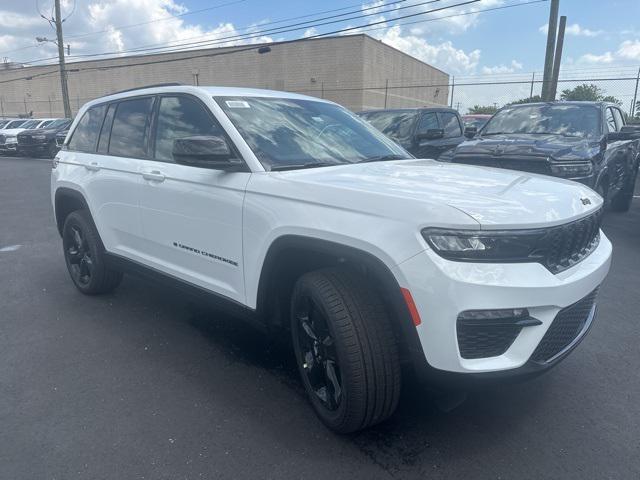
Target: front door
(191, 216)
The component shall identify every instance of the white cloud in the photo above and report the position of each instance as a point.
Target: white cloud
(629, 50)
(575, 30)
(514, 66)
(442, 55)
(606, 57)
(310, 32)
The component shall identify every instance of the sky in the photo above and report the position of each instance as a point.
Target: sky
(602, 36)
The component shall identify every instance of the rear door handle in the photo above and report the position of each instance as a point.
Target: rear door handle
(154, 176)
(92, 167)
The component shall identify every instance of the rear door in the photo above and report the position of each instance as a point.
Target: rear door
(192, 216)
(616, 152)
(453, 130)
(111, 182)
(426, 148)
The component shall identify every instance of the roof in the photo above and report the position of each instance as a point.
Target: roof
(207, 90)
(411, 109)
(562, 102)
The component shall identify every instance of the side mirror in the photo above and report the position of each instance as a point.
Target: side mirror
(431, 134)
(205, 151)
(470, 132)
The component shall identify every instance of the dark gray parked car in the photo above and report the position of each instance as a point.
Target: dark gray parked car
(424, 132)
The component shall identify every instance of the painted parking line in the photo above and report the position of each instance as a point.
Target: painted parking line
(10, 248)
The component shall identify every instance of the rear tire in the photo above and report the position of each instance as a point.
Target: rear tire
(621, 202)
(84, 256)
(342, 337)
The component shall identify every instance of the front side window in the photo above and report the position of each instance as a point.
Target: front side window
(296, 133)
(450, 124)
(180, 117)
(130, 128)
(85, 135)
(428, 121)
(611, 121)
(557, 119)
(397, 124)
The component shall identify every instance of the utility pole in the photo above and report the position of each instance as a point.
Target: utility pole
(634, 103)
(551, 45)
(557, 59)
(453, 87)
(63, 72)
(533, 80)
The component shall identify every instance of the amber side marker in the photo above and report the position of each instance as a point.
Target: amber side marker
(411, 305)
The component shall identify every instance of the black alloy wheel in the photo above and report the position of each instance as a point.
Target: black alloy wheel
(78, 256)
(317, 353)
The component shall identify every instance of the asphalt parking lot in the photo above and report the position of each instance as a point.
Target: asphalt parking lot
(147, 383)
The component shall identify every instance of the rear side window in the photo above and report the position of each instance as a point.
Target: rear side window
(85, 135)
(180, 117)
(130, 129)
(450, 124)
(619, 118)
(428, 121)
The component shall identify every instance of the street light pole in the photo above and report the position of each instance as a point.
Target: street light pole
(63, 73)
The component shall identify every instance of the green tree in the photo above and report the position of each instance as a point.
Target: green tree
(534, 99)
(483, 109)
(588, 92)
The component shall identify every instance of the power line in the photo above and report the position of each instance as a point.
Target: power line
(171, 46)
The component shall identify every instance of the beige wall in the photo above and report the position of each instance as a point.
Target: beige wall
(335, 68)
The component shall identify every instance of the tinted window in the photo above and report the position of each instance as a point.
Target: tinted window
(397, 125)
(291, 132)
(85, 135)
(45, 123)
(180, 117)
(15, 124)
(130, 128)
(558, 119)
(451, 125)
(103, 143)
(611, 121)
(428, 121)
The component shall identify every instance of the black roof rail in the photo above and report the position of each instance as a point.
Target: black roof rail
(170, 84)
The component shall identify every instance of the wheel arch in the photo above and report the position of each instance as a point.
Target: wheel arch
(290, 256)
(67, 200)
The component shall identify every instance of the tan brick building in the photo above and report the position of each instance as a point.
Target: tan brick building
(355, 71)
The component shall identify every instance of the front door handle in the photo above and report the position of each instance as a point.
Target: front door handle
(92, 167)
(154, 176)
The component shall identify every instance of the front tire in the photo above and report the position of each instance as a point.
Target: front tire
(345, 349)
(84, 256)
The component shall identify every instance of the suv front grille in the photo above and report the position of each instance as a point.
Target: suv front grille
(2, 139)
(567, 327)
(25, 139)
(568, 244)
(523, 164)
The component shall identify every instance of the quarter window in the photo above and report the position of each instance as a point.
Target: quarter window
(85, 135)
(451, 125)
(180, 117)
(131, 128)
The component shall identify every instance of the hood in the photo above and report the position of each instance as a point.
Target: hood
(556, 147)
(11, 131)
(494, 198)
(40, 131)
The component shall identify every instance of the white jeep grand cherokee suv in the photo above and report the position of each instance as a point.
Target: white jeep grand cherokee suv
(301, 216)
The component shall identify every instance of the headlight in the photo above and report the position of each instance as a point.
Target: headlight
(11, 140)
(39, 137)
(481, 246)
(578, 169)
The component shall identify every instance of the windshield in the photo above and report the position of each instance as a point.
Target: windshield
(293, 133)
(14, 124)
(569, 120)
(62, 122)
(474, 122)
(396, 124)
(30, 124)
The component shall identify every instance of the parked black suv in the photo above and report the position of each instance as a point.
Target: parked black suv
(424, 132)
(583, 141)
(42, 141)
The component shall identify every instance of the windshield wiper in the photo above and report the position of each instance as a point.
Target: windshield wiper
(299, 166)
(384, 158)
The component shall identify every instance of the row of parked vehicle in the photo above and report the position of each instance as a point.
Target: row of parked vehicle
(33, 136)
(587, 142)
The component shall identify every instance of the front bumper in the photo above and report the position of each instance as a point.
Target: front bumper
(8, 147)
(33, 147)
(442, 289)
